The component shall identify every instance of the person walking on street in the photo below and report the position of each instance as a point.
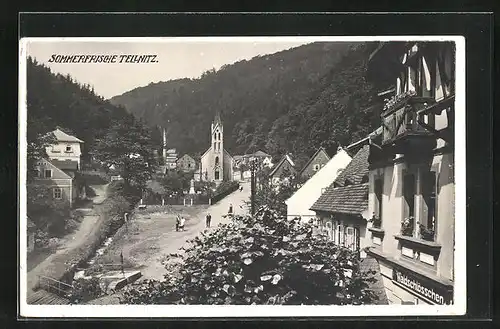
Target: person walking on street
(208, 220)
(241, 188)
(230, 211)
(177, 222)
(181, 224)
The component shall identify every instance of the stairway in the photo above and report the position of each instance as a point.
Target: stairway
(43, 297)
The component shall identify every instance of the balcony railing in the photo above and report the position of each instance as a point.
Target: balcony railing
(400, 117)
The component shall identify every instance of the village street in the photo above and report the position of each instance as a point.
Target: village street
(151, 235)
(54, 265)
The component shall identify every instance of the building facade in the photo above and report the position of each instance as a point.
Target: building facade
(283, 168)
(61, 186)
(299, 204)
(186, 163)
(216, 162)
(66, 149)
(319, 159)
(342, 209)
(412, 173)
(171, 159)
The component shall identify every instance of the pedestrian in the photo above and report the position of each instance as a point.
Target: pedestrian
(177, 222)
(230, 212)
(241, 188)
(181, 224)
(208, 219)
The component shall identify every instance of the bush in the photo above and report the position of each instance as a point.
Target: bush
(85, 290)
(261, 260)
(224, 189)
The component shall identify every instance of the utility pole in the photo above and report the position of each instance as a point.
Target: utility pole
(252, 185)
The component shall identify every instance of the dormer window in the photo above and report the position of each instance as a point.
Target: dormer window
(69, 149)
(48, 173)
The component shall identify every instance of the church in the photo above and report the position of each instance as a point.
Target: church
(216, 163)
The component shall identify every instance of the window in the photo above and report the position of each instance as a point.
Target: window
(215, 146)
(316, 167)
(340, 235)
(48, 173)
(216, 161)
(409, 198)
(57, 193)
(69, 149)
(189, 165)
(350, 243)
(428, 217)
(217, 175)
(379, 188)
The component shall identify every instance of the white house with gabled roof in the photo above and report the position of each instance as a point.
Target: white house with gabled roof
(299, 203)
(66, 149)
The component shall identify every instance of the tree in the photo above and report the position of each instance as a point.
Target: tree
(49, 215)
(274, 195)
(264, 259)
(176, 181)
(127, 146)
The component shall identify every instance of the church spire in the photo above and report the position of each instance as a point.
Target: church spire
(217, 119)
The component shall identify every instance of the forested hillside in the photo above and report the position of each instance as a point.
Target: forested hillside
(54, 100)
(292, 101)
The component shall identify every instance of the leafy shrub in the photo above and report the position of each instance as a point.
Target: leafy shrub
(224, 189)
(261, 260)
(85, 290)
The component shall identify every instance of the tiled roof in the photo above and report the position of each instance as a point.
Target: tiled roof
(61, 136)
(356, 169)
(65, 164)
(376, 285)
(350, 199)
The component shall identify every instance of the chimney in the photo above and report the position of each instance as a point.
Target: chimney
(164, 145)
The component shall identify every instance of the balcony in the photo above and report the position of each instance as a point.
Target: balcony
(401, 130)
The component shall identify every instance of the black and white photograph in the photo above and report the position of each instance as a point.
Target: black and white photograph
(242, 176)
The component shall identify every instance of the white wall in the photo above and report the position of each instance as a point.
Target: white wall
(300, 202)
(58, 151)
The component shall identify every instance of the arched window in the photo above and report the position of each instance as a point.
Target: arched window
(216, 161)
(218, 136)
(217, 175)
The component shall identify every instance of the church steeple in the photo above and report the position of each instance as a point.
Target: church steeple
(217, 119)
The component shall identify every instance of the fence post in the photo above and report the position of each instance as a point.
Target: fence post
(162, 201)
(184, 201)
(209, 201)
(191, 202)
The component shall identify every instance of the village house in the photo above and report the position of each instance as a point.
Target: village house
(63, 187)
(342, 208)
(66, 151)
(282, 170)
(186, 163)
(216, 163)
(317, 161)
(299, 204)
(411, 177)
(171, 159)
(242, 164)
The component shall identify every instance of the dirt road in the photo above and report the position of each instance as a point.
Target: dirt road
(149, 237)
(52, 265)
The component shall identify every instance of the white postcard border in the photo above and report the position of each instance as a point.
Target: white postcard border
(231, 311)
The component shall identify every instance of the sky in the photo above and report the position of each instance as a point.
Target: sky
(175, 59)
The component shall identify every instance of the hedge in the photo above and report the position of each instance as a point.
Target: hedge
(224, 189)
